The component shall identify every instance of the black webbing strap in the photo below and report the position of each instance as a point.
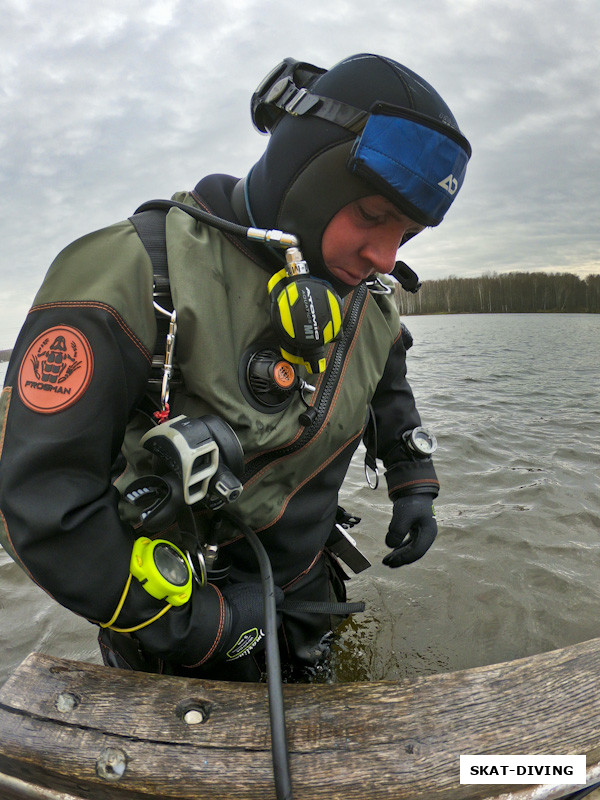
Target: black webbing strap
(151, 228)
(320, 607)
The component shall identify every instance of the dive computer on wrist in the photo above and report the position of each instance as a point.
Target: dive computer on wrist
(419, 443)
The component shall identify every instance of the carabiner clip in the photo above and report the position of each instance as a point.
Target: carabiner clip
(168, 362)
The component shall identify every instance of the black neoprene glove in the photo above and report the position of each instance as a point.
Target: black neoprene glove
(247, 619)
(412, 530)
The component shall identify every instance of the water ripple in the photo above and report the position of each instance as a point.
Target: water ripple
(515, 403)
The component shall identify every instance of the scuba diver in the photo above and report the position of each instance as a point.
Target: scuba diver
(212, 364)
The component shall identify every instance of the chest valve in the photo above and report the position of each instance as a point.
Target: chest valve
(268, 381)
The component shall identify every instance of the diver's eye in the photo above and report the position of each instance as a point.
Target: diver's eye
(368, 217)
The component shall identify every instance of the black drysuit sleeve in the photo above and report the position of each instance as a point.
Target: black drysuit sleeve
(59, 509)
(395, 412)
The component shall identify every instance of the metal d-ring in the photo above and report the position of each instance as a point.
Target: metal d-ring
(201, 579)
(375, 470)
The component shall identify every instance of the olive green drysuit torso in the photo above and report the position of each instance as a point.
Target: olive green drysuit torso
(60, 516)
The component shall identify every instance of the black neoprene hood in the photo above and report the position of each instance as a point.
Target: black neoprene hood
(303, 178)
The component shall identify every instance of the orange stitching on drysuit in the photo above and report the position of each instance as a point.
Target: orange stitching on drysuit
(317, 384)
(219, 631)
(124, 472)
(397, 339)
(412, 483)
(103, 307)
(321, 467)
(329, 412)
(304, 572)
(261, 453)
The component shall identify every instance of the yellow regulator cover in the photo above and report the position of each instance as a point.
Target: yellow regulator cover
(162, 569)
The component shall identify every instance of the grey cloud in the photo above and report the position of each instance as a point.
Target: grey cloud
(108, 104)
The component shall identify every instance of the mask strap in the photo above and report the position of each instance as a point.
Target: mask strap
(298, 102)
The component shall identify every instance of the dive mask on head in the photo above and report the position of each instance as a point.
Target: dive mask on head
(415, 160)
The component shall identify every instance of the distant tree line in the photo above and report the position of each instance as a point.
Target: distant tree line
(512, 292)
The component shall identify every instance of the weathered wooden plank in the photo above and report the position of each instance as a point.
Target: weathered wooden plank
(17, 789)
(347, 741)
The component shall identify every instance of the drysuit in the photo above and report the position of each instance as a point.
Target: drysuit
(71, 411)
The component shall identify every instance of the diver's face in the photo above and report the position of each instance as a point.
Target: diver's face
(363, 238)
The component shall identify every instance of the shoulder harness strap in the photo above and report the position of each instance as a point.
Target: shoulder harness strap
(151, 228)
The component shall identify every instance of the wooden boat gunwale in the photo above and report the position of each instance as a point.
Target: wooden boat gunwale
(395, 739)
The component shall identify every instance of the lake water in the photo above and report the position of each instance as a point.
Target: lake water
(514, 401)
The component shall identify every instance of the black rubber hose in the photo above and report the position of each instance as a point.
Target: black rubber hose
(279, 749)
(197, 213)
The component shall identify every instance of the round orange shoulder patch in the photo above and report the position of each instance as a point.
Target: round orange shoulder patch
(56, 370)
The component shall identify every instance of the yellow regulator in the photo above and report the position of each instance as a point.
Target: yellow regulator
(306, 313)
(162, 569)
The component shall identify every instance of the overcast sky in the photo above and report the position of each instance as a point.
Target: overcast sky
(108, 103)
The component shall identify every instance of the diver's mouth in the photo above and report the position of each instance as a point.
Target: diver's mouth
(345, 276)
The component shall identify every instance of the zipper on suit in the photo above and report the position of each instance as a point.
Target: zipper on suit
(326, 391)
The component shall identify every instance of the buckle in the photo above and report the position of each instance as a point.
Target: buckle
(301, 103)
